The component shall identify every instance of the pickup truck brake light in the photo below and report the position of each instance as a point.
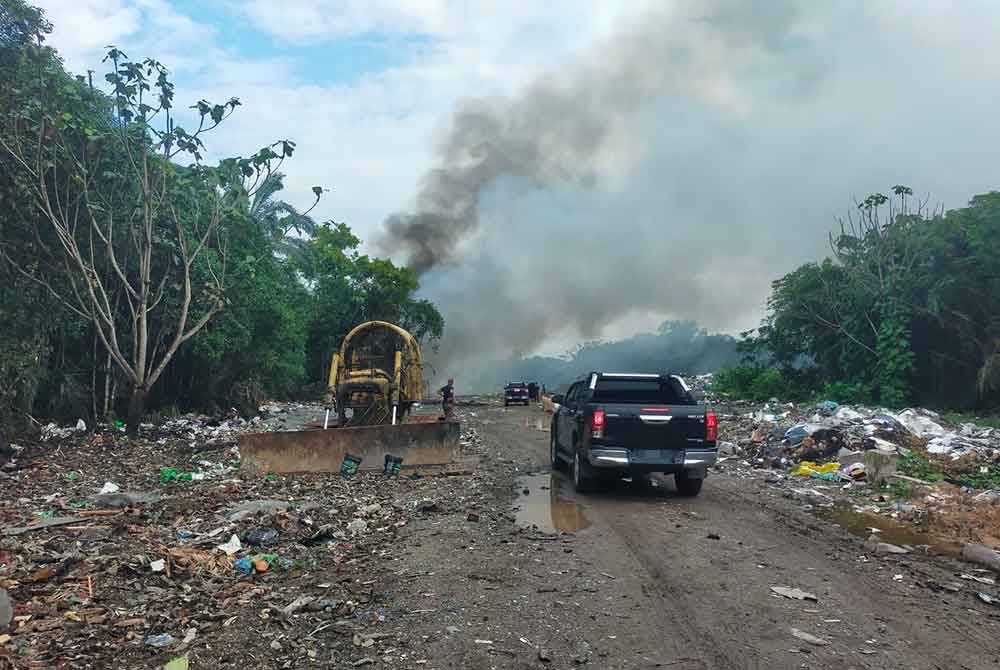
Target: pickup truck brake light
(711, 427)
(597, 424)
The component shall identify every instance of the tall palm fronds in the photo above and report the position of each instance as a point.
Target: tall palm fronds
(287, 228)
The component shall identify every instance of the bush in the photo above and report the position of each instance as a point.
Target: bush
(847, 393)
(753, 382)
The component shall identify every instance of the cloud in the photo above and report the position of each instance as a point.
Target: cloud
(685, 162)
(688, 153)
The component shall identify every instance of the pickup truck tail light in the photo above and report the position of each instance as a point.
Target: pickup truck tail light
(597, 424)
(711, 427)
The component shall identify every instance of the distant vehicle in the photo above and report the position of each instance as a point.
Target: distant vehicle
(515, 392)
(633, 424)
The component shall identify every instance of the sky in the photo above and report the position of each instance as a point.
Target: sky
(562, 171)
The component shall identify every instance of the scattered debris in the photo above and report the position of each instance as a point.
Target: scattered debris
(231, 547)
(161, 640)
(988, 599)
(873, 544)
(811, 639)
(794, 594)
(982, 555)
(109, 487)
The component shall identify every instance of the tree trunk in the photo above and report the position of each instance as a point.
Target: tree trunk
(136, 409)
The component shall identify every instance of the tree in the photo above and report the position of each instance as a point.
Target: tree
(905, 309)
(120, 229)
(288, 229)
(349, 288)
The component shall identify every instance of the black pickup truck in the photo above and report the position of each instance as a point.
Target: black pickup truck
(633, 424)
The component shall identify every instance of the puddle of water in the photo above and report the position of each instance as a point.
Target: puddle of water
(891, 531)
(548, 505)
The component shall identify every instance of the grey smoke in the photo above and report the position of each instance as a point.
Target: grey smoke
(681, 166)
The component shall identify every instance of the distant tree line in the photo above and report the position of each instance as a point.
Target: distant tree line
(676, 346)
(134, 275)
(905, 310)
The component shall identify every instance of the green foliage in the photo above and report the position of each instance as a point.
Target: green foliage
(900, 489)
(958, 418)
(754, 382)
(914, 465)
(907, 306)
(975, 476)
(243, 294)
(982, 477)
(845, 393)
(350, 288)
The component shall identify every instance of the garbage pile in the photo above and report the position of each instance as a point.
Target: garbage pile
(782, 435)
(139, 553)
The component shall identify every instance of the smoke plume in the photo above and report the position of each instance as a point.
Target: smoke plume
(673, 172)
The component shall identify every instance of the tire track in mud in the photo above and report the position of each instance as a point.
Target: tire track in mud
(675, 610)
(923, 606)
(730, 629)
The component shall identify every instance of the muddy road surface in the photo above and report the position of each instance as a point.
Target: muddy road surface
(512, 569)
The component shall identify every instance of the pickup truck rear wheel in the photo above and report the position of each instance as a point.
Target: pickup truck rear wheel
(687, 485)
(582, 475)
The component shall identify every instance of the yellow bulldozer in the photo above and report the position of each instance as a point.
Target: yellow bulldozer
(377, 376)
(375, 380)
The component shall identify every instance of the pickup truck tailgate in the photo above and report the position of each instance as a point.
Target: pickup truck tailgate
(653, 426)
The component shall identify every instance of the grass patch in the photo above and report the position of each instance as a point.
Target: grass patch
(900, 489)
(979, 477)
(914, 465)
(983, 477)
(958, 418)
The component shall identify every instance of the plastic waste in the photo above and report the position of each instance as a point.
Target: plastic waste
(158, 565)
(854, 471)
(827, 407)
(920, 422)
(393, 464)
(168, 475)
(231, 547)
(160, 641)
(350, 465)
(260, 537)
(109, 487)
(796, 434)
(258, 563)
(825, 471)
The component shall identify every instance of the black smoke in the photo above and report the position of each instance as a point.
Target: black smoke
(679, 167)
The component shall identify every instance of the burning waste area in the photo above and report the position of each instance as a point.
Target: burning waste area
(871, 469)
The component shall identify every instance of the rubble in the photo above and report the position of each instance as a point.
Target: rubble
(139, 573)
(912, 466)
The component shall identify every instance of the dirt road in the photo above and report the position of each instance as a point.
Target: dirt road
(640, 578)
